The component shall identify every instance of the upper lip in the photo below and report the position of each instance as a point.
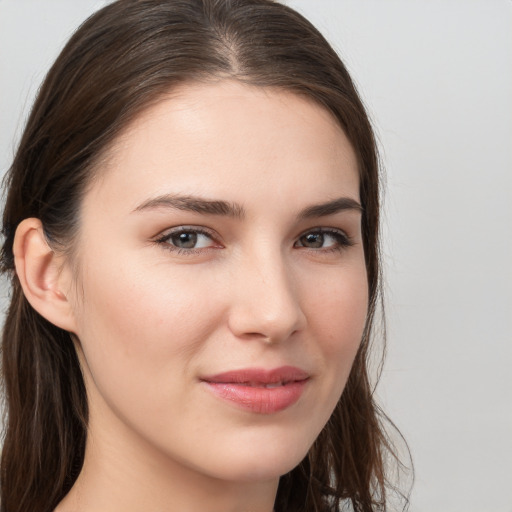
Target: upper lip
(262, 376)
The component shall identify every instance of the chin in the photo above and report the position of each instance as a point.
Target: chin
(262, 464)
(260, 471)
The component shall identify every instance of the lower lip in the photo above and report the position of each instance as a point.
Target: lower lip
(256, 399)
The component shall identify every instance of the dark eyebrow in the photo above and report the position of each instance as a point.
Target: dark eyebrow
(330, 208)
(193, 204)
(225, 208)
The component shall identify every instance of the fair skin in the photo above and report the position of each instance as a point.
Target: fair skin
(166, 290)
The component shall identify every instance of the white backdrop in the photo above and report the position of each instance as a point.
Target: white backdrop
(436, 76)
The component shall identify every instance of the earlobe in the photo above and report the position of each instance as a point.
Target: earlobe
(39, 271)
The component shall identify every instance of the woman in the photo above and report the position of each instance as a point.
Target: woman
(191, 230)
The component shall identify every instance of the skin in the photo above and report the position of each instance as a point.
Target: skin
(151, 320)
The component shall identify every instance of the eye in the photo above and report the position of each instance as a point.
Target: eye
(327, 239)
(187, 239)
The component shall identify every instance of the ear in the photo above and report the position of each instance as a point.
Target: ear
(42, 276)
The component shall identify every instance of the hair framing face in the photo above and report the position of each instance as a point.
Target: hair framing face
(122, 60)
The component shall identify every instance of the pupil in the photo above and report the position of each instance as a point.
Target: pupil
(185, 240)
(315, 240)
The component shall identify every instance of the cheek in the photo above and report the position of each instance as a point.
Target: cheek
(339, 308)
(337, 317)
(142, 328)
(138, 319)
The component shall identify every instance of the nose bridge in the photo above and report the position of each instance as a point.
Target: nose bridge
(267, 303)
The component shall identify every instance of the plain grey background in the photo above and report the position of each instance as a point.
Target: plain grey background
(436, 76)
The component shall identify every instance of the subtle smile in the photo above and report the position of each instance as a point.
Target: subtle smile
(258, 390)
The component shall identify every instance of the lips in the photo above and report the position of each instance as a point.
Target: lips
(259, 390)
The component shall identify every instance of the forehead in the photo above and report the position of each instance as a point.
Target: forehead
(230, 139)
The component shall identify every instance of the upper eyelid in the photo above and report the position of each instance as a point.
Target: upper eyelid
(210, 232)
(324, 229)
(184, 229)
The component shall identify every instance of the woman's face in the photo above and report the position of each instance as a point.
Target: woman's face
(221, 292)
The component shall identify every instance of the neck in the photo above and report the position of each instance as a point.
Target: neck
(123, 474)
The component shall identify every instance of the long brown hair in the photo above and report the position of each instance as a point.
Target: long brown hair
(122, 59)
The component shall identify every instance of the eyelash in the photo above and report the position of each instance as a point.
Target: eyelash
(164, 240)
(342, 239)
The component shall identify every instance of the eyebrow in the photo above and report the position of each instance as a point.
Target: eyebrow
(330, 208)
(225, 208)
(193, 204)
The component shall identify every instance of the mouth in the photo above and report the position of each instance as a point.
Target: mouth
(259, 390)
(263, 385)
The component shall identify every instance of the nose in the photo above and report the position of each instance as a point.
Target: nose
(265, 301)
